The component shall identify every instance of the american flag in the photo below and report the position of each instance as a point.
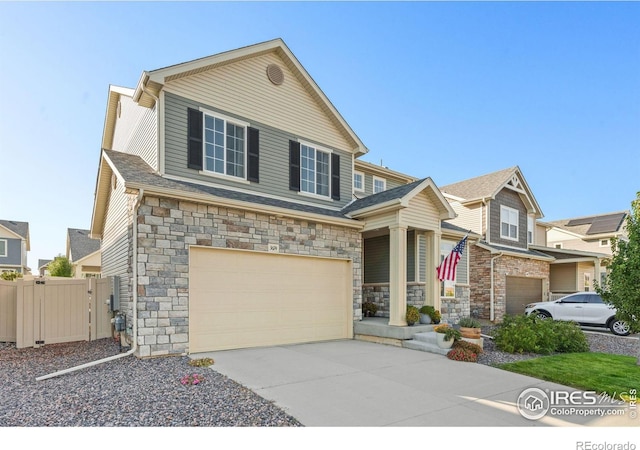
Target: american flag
(447, 269)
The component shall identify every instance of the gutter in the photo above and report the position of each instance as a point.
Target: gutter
(134, 345)
(492, 301)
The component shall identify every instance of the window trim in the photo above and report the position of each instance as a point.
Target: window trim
(6, 250)
(373, 186)
(317, 148)
(357, 172)
(558, 245)
(447, 284)
(607, 244)
(245, 149)
(509, 210)
(531, 227)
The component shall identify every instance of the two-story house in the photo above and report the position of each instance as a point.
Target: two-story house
(226, 208)
(588, 240)
(14, 245)
(506, 273)
(83, 253)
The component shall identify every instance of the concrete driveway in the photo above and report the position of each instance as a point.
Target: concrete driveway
(356, 383)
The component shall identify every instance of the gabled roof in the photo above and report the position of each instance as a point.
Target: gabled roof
(487, 186)
(151, 82)
(398, 197)
(79, 244)
(593, 225)
(137, 175)
(21, 229)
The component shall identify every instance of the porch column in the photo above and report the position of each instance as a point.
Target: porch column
(432, 284)
(397, 275)
(596, 276)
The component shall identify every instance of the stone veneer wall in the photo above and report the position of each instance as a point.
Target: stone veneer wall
(480, 274)
(451, 309)
(166, 229)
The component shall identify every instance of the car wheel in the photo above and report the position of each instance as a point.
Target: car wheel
(541, 315)
(618, 327)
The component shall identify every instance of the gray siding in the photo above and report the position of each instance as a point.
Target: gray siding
(512, 199)
(14, 252)
(274, 156)
(376, 258)
(368, 184)
(411, 255)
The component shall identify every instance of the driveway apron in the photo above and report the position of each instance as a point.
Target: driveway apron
(357, 383)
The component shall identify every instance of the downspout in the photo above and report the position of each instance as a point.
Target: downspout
(491, 304)
(134, 345)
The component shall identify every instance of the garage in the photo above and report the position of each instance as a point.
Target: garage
(520, 291)
(242, 298)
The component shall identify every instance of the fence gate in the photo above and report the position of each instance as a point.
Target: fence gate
(39, 311)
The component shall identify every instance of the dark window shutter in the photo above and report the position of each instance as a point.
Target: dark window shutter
(335, 176)
(194, 152)
(294, 166)
(253, 155)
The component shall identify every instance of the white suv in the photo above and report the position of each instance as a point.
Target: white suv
(585, 308)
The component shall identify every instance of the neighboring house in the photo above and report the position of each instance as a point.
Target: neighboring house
(43, 267)
(590, 234)
(506, 272)
(83, 253)
(225, 206)
(14, 245)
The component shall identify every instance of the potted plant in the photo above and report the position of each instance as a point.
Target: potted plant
(436, 316)
(469, 328)
(425, 314)
(413, 315)
(446, 335)
(369, 309)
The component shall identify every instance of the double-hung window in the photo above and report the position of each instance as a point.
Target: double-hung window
(225, 146)
(358, 181)
(314, 170)
(3, 247)
(379, 185)
(530, 229)
(508, 223)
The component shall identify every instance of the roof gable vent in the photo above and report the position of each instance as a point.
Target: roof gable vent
(275, 74)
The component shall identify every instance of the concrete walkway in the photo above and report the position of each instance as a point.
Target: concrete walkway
(356, 383)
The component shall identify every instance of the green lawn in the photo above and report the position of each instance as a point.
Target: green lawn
(600, 372)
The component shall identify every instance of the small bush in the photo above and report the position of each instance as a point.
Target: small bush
(201, 362)
(469, 322)
(369, 309)
(412, 314)
(529, 334)
(462, 354)
(10, 276)
(468, 346)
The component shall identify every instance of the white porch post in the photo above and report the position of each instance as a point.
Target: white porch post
(397, 275)
(596, 276)
(432, 284)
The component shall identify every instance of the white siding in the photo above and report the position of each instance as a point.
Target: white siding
(422, 212)
(242, 88)
(136, 131)
(469, 218)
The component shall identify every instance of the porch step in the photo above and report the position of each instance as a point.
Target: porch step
(425, 342)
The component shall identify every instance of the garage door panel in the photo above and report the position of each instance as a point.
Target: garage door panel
(520, 292)
(245, 299)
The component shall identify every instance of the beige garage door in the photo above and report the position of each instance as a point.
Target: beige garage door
(241, 299)
(520, 291)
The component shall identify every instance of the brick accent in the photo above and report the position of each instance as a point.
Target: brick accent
(166, 229)
(480, 277)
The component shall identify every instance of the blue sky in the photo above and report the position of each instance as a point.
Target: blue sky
(449, 90)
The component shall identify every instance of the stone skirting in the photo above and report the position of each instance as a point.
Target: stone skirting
(166, 229)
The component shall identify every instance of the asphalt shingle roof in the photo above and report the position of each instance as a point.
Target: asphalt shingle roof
(604, 223)
(134, 169)
(20, 228)
(381, 197)
(479, 187)
(80, 244)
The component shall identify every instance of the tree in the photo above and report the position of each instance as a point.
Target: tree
(622, 284)
(60, 267)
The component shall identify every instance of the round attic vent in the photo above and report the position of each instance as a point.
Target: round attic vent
(275, 74)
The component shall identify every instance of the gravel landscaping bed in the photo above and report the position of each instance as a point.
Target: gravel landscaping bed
(125, 392)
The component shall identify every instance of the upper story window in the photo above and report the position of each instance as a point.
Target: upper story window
(3, 247)
(314, 170)
(604, 242)
(558, 245)
(509, 223)
(379, 185)
(530, 229)
(225, 146)
(358, 181)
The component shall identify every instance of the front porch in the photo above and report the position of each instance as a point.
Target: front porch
(377, 329)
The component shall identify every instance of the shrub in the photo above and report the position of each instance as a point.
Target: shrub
(201, 362)
(449, 333)
(369, 309)
(468, 346)
(413, 315)
(528, 334)
(469, 322)
(427, 309)
(436, 317)
(191, 380)
(462, 354)
(10, 276)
